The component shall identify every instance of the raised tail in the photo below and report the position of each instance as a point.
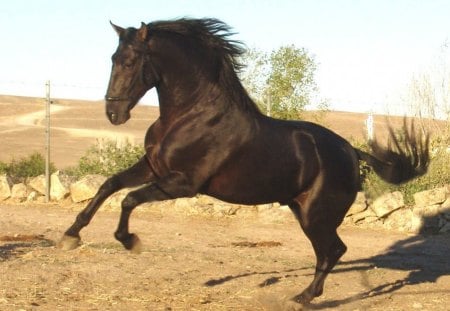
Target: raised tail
(403, 159)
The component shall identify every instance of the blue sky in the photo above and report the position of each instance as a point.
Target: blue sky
(367, 51)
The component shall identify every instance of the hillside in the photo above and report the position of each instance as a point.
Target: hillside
(76, 125)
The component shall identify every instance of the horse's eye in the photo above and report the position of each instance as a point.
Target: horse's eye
(128, 65)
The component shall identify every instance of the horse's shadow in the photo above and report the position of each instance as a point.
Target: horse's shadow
(424, 256)
(12, 247)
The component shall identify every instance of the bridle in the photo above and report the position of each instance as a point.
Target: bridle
(145, 61)
(115, 98)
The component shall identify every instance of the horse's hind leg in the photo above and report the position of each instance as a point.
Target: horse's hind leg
(319, 225)
(138, 174)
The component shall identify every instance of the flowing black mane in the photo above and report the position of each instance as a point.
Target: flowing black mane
(209, 32)
(214, 35)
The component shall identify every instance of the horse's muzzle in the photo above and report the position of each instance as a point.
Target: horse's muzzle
(118, 109)
(117, 117)
(113, 117)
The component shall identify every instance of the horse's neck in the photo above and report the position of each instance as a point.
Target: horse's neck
(177, 98)
(177, 102)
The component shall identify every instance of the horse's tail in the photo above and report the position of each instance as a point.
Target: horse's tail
(403, 159)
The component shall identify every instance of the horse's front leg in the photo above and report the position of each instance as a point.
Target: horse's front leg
(172, 186)
(138, 174)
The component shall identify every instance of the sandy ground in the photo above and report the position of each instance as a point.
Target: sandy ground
(253, 262)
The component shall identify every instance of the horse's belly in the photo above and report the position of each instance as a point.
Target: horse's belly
(250, 184)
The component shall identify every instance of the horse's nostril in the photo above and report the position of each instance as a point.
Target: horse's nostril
(113, 116)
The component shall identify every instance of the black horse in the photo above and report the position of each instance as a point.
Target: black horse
(211, 138)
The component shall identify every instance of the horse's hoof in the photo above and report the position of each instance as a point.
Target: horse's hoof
(293, 306)
(136, 247)
(131, 242)
(68, 242)
(303, 298)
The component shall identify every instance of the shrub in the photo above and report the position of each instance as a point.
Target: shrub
(107, 157)
(30, 166)
(3, 167)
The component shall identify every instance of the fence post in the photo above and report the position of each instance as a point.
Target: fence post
(268, 105)
(369, 127)
(47, 141)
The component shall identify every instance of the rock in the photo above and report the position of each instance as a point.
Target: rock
(38, 184)
(247, 211)
(225, 209)
(445, 206)
(367, 216)
(359, 206)
(264, 207)
(86, 188)
(283, 208)
(5, 187)
(446, 214)
(417, 224)
(445, 228)
(431, 197)
(114, 202)
(442, 221)
(185, 205)
(32, 196)
(427, 211)
(404, 220)
(429, 216)
(206, 200)
(387, 203)
(57, 190)
(19, 192)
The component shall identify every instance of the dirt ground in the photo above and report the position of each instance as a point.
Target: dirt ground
(209, 263)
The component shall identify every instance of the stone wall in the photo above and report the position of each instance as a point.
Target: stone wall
(431, 212)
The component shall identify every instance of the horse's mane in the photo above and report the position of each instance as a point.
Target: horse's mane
(213, 35)
(208, 32)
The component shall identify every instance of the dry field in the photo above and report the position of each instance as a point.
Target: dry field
(75, 126)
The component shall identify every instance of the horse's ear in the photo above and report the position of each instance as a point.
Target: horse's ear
(118, 29)
(142, 32)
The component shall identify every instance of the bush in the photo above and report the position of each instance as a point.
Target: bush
(107, 157)
(30, 166)
(3, 167)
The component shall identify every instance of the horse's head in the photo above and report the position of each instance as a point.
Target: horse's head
(132, 73)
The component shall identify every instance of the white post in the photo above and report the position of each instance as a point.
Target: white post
(47, 142)
(268, 105)
(369, 127)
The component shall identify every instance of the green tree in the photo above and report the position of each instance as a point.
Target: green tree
(291, 81)
(282, 82)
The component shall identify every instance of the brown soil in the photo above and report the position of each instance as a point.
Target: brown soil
(209, 263)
